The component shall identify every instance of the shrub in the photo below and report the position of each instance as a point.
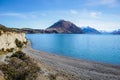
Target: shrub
(20, 55)
(10, 50)
(25, 42)
(20, 67)
(0, 33)
(52, 77)
(2, 49)
(19, 43)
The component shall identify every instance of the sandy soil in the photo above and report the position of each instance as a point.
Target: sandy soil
(76, 69)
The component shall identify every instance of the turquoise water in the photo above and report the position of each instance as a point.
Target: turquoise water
(101, 48)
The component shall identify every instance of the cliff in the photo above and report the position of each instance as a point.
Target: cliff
(10, 40)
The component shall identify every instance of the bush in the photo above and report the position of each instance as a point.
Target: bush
(19, 43)
(20, 67)
(10, 50)
(0, 33)
(52, 77)
(25, 42)
(20, 55)
(2, 49)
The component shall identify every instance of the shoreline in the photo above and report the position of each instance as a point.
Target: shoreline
(82, 69)
(86, 60)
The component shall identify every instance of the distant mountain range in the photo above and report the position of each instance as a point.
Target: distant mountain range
(89, 30)
(65, 27)
(116, 31)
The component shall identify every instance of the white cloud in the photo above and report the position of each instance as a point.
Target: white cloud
(95, 14)
(14, 15)
(110, 3)
(24, 15)
(43, 14)
(73, 12)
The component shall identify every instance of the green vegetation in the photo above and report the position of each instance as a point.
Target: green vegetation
(0, 33)
(2, 51)
(10, 50)
(19, 43)
(52, 77)
(20, 55)
(20, 67)
(25, 42)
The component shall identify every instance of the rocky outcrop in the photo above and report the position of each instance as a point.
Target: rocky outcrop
(10, 40)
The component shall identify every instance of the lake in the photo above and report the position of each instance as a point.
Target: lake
(100, 48)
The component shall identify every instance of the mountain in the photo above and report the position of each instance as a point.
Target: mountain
(116, 32)
(63, 26)
(89, 30)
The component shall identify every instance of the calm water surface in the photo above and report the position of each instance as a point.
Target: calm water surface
(101, 48)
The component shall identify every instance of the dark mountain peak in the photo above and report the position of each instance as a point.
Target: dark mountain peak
(63, 26)
(61, 20)
(62, 23)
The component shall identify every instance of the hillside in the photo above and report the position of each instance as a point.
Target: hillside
(89, 30)
(116, 32)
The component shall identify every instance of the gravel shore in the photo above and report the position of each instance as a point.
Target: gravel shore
(78, 69)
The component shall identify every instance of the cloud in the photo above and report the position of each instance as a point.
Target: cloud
(24, 15)
(95, 14)
(43, 14)
(73, 12)
(109, 3)
(14, 15)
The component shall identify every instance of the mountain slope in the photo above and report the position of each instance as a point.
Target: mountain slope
(63, 26)
(116, 31)
(89, 30)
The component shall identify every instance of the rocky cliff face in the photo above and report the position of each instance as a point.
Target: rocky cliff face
(10, 40)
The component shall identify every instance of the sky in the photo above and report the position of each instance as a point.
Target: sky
(40, 14)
